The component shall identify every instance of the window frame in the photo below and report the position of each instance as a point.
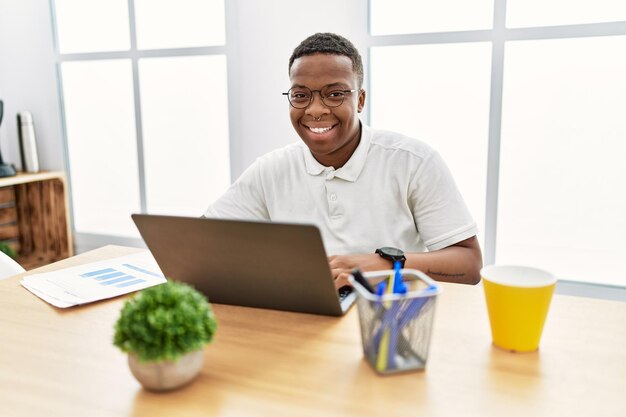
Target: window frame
(498, 35)
(90, 240)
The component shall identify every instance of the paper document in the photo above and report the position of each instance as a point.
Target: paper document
(95, 281)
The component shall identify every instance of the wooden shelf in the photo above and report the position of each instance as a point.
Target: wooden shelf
(34, 217)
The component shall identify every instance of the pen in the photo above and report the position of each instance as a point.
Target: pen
(398, 286)
(415, 307)
(387, 325)
(358, 277)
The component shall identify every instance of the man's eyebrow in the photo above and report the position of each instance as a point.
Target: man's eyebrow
(337, 84)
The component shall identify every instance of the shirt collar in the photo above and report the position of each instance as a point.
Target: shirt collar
(351, 170)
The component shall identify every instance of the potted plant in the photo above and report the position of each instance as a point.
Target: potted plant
(164, 330)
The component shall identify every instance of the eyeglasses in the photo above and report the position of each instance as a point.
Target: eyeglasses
(302, 97)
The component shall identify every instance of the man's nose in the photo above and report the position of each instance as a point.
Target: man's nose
(317, 105)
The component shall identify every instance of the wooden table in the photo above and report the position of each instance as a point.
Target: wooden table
(57, 362)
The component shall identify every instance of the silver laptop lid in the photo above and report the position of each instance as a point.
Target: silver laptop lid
(256, 264)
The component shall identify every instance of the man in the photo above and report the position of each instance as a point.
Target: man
(376, 196)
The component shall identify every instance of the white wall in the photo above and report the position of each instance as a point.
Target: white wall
(28, 80)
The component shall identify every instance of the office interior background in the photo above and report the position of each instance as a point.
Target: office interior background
(157, 106)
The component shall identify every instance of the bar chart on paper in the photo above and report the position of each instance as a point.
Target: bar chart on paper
(117, 278)
(95, 281)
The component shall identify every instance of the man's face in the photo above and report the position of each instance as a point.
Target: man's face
(331, 133)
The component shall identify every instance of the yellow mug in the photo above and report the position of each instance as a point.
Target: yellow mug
(518, 299)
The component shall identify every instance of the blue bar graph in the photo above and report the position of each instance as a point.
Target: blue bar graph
(99, 272)
(145, 271)
(119, 279)
(107, 276)
(128, 284)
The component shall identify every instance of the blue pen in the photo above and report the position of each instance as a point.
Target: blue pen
(398, 286)
(396, 315)
(414, 308)
(380, 289)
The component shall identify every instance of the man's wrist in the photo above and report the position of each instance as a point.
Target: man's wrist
(392, 254)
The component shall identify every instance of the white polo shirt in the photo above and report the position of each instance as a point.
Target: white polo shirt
(394, 191)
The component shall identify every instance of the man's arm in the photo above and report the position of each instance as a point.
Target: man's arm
(243, 200)
(459, 263)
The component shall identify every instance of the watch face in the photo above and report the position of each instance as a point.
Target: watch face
(394, 252)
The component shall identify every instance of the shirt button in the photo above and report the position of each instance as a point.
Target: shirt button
(333, 197)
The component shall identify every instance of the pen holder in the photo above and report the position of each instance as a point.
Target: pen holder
(396, 328)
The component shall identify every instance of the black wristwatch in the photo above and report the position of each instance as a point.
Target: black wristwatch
(393, 254)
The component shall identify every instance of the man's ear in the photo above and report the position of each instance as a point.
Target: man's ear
(361, 103)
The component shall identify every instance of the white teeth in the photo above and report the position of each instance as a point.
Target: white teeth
(320, 129)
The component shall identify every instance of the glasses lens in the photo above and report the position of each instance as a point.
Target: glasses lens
(333, 96)
(300, 97)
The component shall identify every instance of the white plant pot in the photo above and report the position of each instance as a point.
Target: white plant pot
(166, 375)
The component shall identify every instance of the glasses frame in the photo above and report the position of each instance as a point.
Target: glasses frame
(321, 97)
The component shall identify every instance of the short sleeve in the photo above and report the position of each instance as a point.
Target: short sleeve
(441, 215)
(243, 200)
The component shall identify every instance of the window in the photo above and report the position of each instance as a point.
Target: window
(92, 26)
(183, 113)
(523, 98)
(189, 23)
(101, 142)
(528, 115)
(562, 174)
(522, 13)
(145, 109)
(390, 17)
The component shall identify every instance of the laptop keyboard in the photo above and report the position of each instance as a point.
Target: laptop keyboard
(344, 291)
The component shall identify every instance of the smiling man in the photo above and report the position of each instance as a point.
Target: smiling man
(329, 125)
(376, 196)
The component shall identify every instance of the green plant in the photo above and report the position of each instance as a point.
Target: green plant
(165, 322)
(8, 250)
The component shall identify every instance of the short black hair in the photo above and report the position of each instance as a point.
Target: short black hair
(331, 44)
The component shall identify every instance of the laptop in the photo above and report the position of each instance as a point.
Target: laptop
(278, 266)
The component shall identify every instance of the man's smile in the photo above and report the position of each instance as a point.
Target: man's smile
(320, 130)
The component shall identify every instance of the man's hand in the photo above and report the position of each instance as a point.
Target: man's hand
(458, 263)
(341, 266)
